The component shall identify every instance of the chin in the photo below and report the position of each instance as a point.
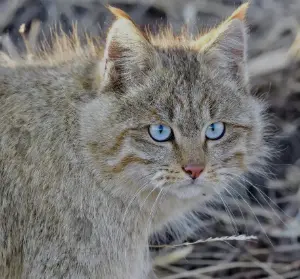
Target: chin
(191, 191)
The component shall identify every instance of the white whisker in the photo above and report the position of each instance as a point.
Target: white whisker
(261, 226)
(227, 210)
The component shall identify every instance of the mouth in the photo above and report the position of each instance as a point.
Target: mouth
(191, 182)
(186, 189)
(192, 189)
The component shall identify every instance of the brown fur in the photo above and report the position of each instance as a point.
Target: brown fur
(82, 184)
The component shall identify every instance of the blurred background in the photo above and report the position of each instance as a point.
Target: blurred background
(265, 207)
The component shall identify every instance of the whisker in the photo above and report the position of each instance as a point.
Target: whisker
(229, 212)
(141, 189)
(152, 210)
(240, 210)
(144, 202)
(240, 181)
(261, 226)
(133, 198)
(265, 197)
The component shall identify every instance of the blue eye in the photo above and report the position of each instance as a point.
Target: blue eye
(215, 131)
(160, 132)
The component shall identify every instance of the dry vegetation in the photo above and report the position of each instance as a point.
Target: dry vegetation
(267, 208)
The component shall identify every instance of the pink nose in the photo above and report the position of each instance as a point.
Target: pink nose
(193, 171)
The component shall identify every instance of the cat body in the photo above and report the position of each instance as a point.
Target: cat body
(84, 183)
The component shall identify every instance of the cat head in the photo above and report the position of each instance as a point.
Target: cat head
(175, 113)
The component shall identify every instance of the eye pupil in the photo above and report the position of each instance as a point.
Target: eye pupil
(161, 128)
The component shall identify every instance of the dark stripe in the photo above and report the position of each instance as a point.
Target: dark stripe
(118, 142)
(130, 159)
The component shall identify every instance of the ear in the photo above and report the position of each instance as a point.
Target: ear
(228, 52)
(226, 46)
(128, 53)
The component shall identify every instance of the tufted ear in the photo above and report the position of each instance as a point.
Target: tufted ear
(240, 13)
(128, 53)
(228, 52)
(226, 46)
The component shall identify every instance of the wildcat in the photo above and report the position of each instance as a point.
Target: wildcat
(99, 150)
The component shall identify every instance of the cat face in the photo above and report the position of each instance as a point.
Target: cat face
(175, 118)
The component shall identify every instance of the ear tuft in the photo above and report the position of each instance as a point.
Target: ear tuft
(240, 13)
(118, 13)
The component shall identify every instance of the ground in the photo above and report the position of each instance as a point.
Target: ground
(268, 208)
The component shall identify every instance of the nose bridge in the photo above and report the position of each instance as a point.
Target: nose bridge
(192, 151)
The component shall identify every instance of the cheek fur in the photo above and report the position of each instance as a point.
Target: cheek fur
(160, 154)
(133, 151)
(229, 155)
(237, 161)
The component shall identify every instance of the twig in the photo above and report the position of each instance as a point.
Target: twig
(216, 268)
(211, 239)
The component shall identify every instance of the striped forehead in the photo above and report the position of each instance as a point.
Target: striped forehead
(184, 94)
(190, 111)
(191, 107)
